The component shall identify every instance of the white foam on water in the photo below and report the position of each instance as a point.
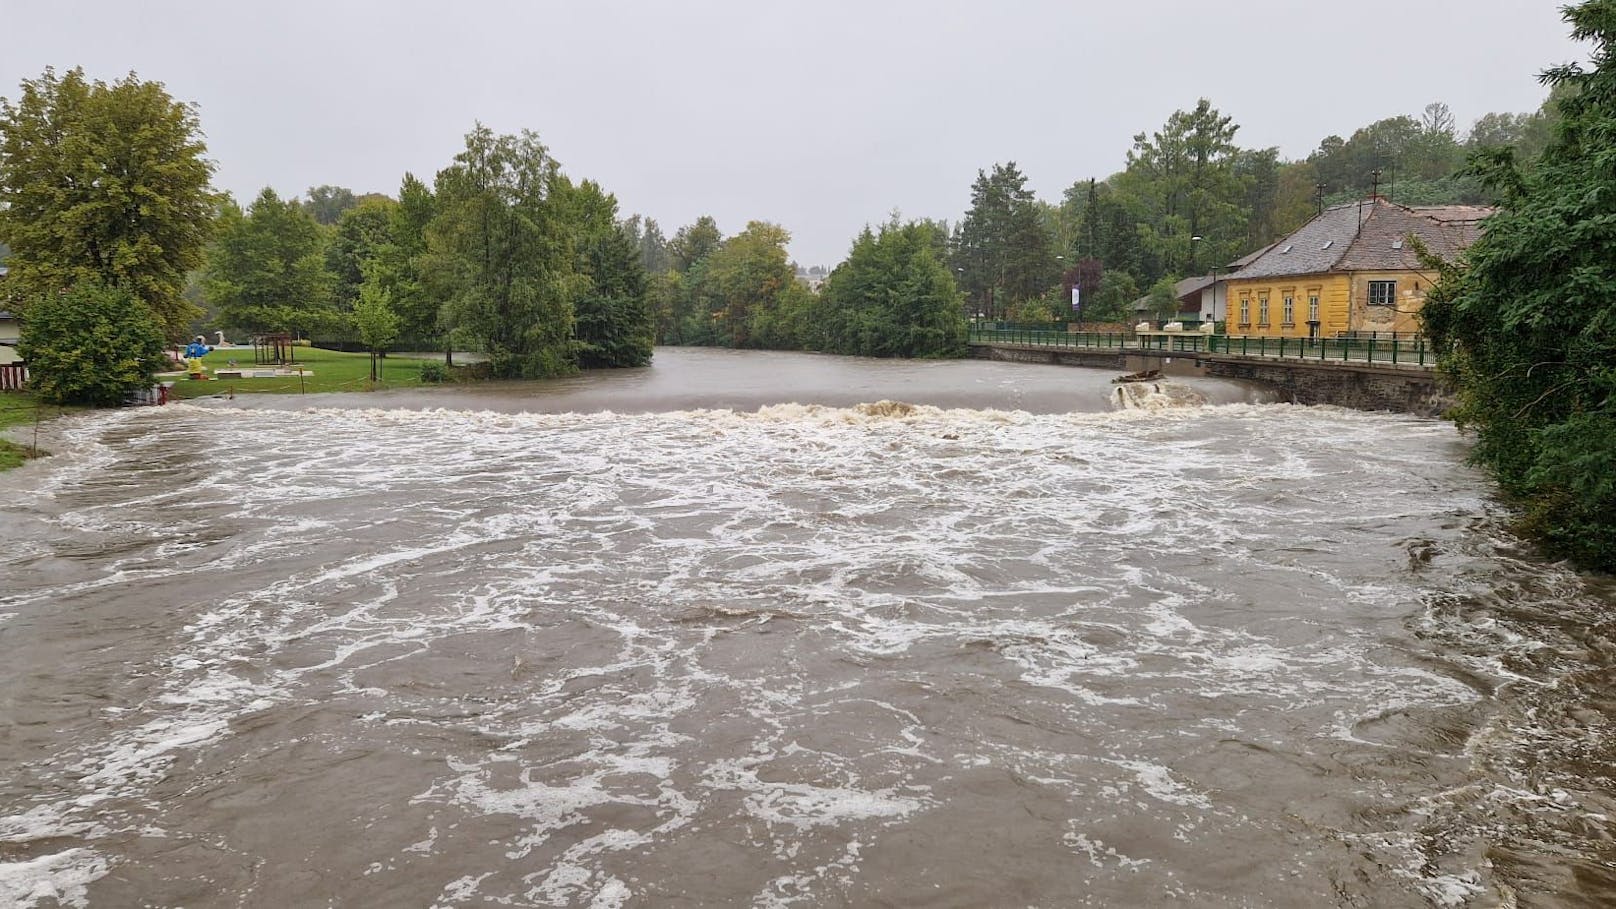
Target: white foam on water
(804, 806)
(1158, 782)
(60, 879)
(1099, 854)
(718, 562)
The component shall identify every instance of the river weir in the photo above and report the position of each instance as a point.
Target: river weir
(731, 631)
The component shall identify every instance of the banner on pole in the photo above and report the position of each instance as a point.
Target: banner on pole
(1077, 299)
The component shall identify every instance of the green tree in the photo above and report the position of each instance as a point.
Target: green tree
(1114, 302)
(500, 251)
(1527, 322)
(614, 325)
(1163, 300)
(748, 277)
(375, 320)
(328, 203)
(669, 304)
(400, 264)
(646, 235)
(1399, 150)
(1005, 250)
(694, 242)
(1182, 182)
(266, 271)
(106, 183)
(355, 245)
(92, 344)
(893, 297)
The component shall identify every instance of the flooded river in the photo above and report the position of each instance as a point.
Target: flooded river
(728, 632)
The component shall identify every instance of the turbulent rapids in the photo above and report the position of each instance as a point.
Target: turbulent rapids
(798, 654)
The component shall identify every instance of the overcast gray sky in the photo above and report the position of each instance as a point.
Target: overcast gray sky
(819, 116)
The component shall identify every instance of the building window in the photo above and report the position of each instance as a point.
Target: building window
(1245, 310)
(1262, 309)
(1382, 293)
(1312, 307)
(1290, 311)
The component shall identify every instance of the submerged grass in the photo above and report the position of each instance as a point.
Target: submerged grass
(327, 371)
(20, 408)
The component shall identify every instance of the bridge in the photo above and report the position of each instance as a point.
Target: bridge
(1395, 374)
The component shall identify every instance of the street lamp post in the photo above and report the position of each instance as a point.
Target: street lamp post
(1058, 259)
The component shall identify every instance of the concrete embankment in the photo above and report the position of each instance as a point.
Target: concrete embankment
(1360, 386)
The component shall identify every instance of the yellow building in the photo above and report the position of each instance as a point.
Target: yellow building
(1348, 272)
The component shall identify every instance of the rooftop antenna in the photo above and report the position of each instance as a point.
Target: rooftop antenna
(1374, 193)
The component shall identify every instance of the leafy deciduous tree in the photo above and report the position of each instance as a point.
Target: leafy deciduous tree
(893, 297)
(501, 253)
(327, 203)
(266, 271)
(105, 183)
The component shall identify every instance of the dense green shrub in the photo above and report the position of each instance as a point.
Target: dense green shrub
(90, 345)
(1527, 323)
(434, 372)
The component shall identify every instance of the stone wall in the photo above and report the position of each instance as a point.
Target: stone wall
(1412, 391)
(1049, 355)
(1357, 386)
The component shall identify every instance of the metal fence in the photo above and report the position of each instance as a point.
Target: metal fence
(1412, 351)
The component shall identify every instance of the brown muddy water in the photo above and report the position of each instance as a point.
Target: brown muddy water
(722, 633)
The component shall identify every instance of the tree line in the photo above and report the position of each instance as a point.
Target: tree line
(1191, 199)
(892, 297)
(503, 253)
(105, 195)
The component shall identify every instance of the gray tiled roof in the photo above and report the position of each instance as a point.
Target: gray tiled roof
(1369, 236)
(1192, 285)
(1248, 258)
(1312, 248)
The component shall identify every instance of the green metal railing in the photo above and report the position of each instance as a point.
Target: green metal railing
(1412, 351)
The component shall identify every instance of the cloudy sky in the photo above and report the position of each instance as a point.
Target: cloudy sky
(820, 116)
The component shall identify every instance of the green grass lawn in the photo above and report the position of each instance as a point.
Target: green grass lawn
(328, 370)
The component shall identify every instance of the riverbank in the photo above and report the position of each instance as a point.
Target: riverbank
(18, 409)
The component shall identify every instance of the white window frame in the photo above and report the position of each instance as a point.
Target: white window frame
(1289, 312)
(1262, 310)
(1390, 293)
(1312, 306)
